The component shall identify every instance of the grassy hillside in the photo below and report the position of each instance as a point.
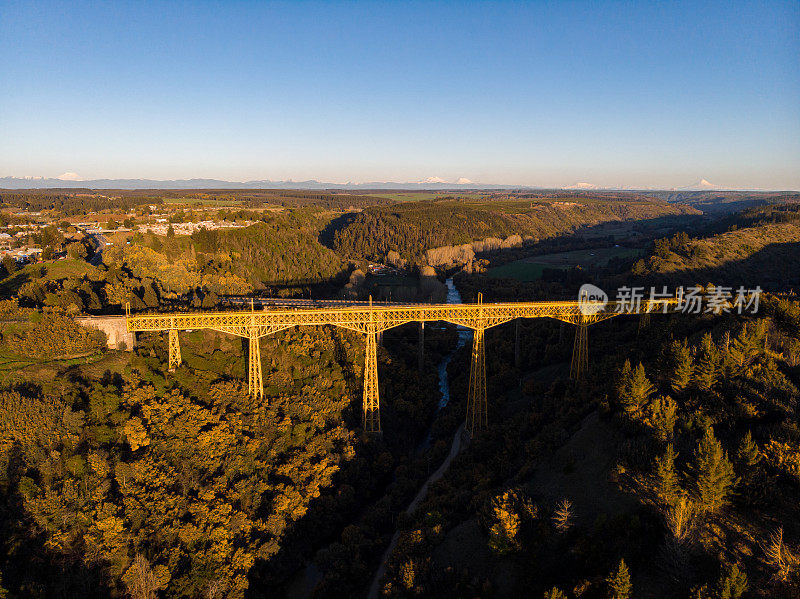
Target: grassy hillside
(767, 254)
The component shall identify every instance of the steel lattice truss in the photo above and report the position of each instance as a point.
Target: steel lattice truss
(372, 319)
(377, 318)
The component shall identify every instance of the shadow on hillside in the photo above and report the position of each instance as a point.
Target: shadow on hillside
(605, 234)
(328, 233)
(776, 267)
(12, 284)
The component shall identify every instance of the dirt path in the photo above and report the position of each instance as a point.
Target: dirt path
(458, 443)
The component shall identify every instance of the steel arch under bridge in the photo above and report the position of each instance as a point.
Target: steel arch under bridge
(371, 319)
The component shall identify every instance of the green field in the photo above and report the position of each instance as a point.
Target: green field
(531, 269)
(203, 202)
(410, 196)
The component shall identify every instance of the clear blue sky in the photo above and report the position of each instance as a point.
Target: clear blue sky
(537, 93)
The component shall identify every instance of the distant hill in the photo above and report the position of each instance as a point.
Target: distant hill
(714, 202)
(432, 183)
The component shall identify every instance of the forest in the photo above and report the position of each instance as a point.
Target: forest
(414, 227)
(69, 203)
(672, 469)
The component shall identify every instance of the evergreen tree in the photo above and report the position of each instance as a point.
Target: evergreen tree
(9, 265)
(682, 367)
(563, 515)
(714, 476)
(619, 582)
(93, 302)
(555, 593)
(701, 592)
(732, 583)
(663, 415)
(210, 300)
(707, 372)
(748, 345)
(149, 295)
(623, 379)
(667, 477)
(637, 391)
(747, 454)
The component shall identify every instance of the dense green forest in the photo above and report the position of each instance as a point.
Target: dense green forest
(182, 485)
(758, 246)
(69, 203)
(766, 253)
(412, 228)
(104, 491)
(115, 477)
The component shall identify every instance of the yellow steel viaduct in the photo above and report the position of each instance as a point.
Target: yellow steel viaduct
(372, 319)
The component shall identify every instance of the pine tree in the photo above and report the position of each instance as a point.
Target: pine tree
(563, 515)
(701, 592)
(779, 557)
(682, 366)
(663, 415)
(623, 380)
(747, 454)
(619, 582)
(667, 477)
(714, 476)
(555, 593)
(9, 265)
(637, 391)
(732, 583)
(707, 372)
(748, 345)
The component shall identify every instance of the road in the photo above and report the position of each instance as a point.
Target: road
(458, 443)
(101, 240)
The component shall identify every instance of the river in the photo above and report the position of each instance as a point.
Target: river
(464, 335)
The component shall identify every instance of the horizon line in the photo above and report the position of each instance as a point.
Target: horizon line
(432, 184)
